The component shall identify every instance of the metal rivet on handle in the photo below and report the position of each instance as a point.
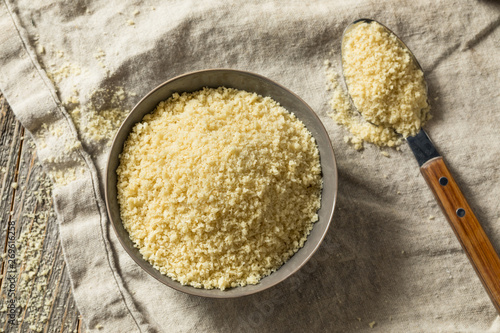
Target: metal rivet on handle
(460, 212)
(443, 181)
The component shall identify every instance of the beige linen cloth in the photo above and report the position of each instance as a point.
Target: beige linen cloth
(386, 264)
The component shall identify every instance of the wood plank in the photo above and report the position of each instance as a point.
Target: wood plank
(42, 289)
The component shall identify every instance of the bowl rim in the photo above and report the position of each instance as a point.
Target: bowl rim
(176, 284)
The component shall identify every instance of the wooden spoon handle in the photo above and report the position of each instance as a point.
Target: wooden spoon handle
(464, 223)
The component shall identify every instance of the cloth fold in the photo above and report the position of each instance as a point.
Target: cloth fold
(72, 70)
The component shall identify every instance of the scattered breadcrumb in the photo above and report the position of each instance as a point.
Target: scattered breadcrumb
(40, 49)
(56, 131)
(33, 300)
(372, 324)
(220, 187)
(14, 186)
(130, 22)
(63, 177)
(362, 131)
(98, 117)
(64, 71)
(99, 56)
(72, 145)
(432, 217)
(101, 116)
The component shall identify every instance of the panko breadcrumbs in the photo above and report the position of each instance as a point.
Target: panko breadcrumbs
(361, 130)
(385, 85)
(218, 188)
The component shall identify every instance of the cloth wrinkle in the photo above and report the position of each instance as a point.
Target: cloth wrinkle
(89, 164)
(482, 34)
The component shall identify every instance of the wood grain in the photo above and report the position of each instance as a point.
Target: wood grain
(464, 223)
(19, 164)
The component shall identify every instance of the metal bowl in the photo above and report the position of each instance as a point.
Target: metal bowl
(250, 82)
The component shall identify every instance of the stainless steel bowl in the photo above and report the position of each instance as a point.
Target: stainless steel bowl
(251, 82)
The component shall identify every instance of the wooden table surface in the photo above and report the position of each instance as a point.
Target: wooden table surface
(37, 281)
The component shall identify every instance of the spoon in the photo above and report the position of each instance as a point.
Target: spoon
(457, 211)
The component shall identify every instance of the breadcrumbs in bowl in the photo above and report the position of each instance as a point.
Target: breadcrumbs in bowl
(219, 187)
(221, 183)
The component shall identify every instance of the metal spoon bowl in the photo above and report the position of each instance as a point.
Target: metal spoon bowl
(402, 44)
